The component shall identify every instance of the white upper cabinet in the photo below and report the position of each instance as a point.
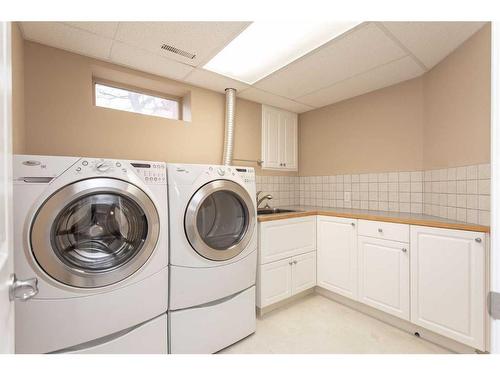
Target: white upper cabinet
(337, 255)
(448, 286)
(279, 139)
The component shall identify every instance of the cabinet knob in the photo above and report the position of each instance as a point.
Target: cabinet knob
(380, 230)
(353, 224)
(478, 240)
(290, 263)
(404, 250)
(294, 262)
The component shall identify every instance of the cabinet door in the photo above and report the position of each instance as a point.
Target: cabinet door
(288, 140)
(448, 283)
(384, 275)
(271, 154)
(285, 238)
(337, 255)
(275, 282)
(303, 272)
(279, 139)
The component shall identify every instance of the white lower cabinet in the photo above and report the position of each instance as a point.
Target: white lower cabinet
(303, 272)
(337, 255)
(448, 283)
(433, 277)
(274, 282)
(384, 275)
(284, 278)
(281, 239)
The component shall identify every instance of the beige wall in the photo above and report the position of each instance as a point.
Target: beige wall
(18, 128)
(438, 120)
(62, 120)
(441, 119)
(457, 106)
(375, 132)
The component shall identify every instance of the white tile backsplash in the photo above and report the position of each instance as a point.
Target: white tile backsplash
(459, 193)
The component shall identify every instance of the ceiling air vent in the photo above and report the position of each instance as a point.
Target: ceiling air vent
(178, 51)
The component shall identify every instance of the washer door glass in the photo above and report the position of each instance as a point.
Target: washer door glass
(99, 232)
(220, 220)
(94, 232)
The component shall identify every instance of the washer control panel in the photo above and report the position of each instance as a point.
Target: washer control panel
(152, 173)
(99, 166)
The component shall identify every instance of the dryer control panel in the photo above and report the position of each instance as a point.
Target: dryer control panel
(247, 174)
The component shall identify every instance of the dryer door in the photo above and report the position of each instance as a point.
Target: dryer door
(220, 220)
(94, 232)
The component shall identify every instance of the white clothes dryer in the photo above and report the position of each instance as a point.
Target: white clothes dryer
(91, 255)
(213, 256)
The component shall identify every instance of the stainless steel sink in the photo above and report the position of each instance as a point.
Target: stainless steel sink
(269, 211)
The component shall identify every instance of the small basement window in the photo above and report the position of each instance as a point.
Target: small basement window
(124, 99)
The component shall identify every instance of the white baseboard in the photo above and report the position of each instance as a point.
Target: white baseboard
(266, 310)
(398, 323)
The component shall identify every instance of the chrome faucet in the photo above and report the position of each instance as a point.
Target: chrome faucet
(260, 200)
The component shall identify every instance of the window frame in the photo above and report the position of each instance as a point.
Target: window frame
(137, 90)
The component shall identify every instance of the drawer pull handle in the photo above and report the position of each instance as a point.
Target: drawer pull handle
(404, 250)
(478, 240)
(380, 230)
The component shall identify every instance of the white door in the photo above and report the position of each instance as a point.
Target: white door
(337, 255)
(288, 140)
(384, 275)
(6, 261)
(270, 138)
(448, 285)
(275, 281)
(495, 178)
(303, 272)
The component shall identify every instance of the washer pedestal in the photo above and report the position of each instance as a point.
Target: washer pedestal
(214, 326)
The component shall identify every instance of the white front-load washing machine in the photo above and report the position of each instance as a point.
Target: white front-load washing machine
(91, 255)
(213, 256)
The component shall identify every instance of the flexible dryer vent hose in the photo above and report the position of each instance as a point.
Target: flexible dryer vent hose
(227, 156)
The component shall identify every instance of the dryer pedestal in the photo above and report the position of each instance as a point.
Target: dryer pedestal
(214, 326)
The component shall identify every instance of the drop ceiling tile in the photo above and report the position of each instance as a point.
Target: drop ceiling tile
(431, 42)
(353, 53)
(263, 97)
(59, 35)
(213, 81)
(204, 39)
(136, 58)
(106, 29)
(382, 76)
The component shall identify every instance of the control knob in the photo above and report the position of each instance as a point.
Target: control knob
(102, 166)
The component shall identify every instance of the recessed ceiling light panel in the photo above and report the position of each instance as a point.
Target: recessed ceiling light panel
(266, 46)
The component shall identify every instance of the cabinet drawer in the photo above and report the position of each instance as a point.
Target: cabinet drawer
(285, 238)
(383, 230)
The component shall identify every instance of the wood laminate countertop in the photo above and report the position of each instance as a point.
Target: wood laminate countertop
(392, 217)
